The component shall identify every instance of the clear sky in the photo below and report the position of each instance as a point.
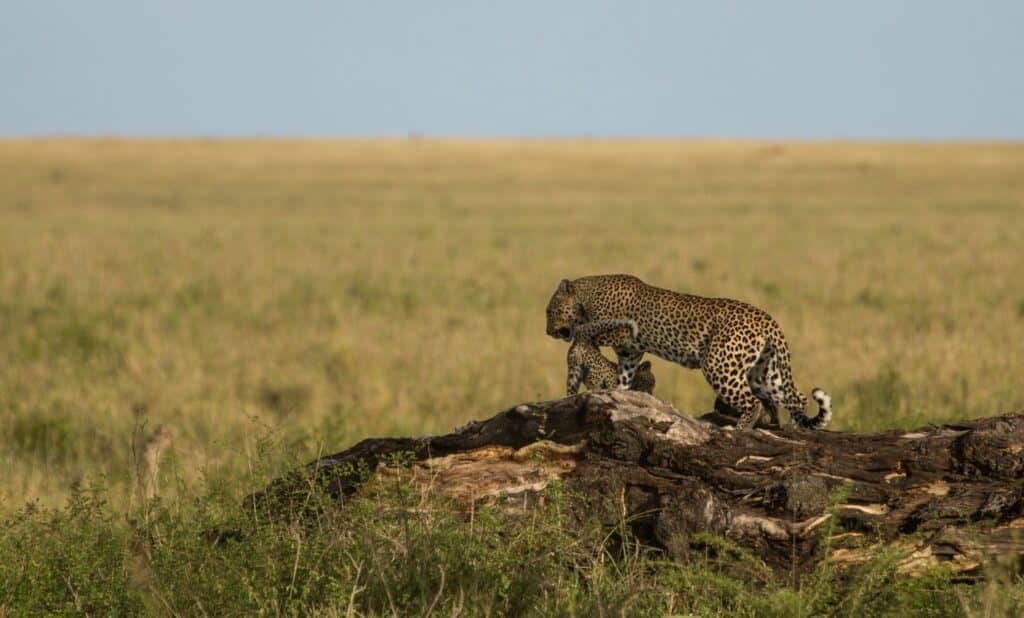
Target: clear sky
(762, 69)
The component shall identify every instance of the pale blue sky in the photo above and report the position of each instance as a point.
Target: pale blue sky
(771, 69)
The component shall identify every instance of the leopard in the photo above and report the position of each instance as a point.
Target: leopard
(589, 367)
(739, 348)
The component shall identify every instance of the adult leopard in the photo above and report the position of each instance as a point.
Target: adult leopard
(740, 349)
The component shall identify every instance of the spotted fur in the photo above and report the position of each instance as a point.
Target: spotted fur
(739, 348)
(588, 366)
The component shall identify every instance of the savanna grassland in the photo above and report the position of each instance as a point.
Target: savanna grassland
(266, 301)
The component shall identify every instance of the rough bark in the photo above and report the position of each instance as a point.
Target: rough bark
(950, 494)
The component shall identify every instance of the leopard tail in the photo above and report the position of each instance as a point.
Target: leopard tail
(823, 417)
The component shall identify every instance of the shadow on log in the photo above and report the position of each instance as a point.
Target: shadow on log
(950, 494)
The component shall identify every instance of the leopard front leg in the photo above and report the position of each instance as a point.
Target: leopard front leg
(608, 332)
(577, 375)
(629, 362)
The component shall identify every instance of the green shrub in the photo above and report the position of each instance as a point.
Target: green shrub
(395, 553)
(66, 561)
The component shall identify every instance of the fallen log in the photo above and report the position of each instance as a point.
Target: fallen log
(949, 494)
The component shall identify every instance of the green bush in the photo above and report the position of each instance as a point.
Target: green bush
(395, 553)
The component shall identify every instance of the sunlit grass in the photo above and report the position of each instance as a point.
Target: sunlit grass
(322, 292)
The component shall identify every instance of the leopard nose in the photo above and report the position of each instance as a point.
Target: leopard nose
(564, 332)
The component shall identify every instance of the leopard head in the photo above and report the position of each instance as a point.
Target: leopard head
(643, 379)
(564, 311)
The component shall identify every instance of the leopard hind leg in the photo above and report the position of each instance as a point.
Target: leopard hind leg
(750, 408)
(735, 395)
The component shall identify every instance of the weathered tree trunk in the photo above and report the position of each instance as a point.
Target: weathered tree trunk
(951, 494)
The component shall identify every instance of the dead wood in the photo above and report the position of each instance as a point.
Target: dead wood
(949, 494)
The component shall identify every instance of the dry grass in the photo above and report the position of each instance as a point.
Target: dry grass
(314, 293)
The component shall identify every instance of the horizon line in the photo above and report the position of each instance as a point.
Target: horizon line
(413, 137)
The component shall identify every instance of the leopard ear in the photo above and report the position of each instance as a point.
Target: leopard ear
(644, 366)
(565, 287)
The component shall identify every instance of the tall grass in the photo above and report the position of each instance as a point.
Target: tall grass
(328, 291)
(307, 294)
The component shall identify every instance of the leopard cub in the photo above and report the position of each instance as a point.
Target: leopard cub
(588, 366)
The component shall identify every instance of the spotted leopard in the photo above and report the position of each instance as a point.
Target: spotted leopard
(739, 348)
(588, 366)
